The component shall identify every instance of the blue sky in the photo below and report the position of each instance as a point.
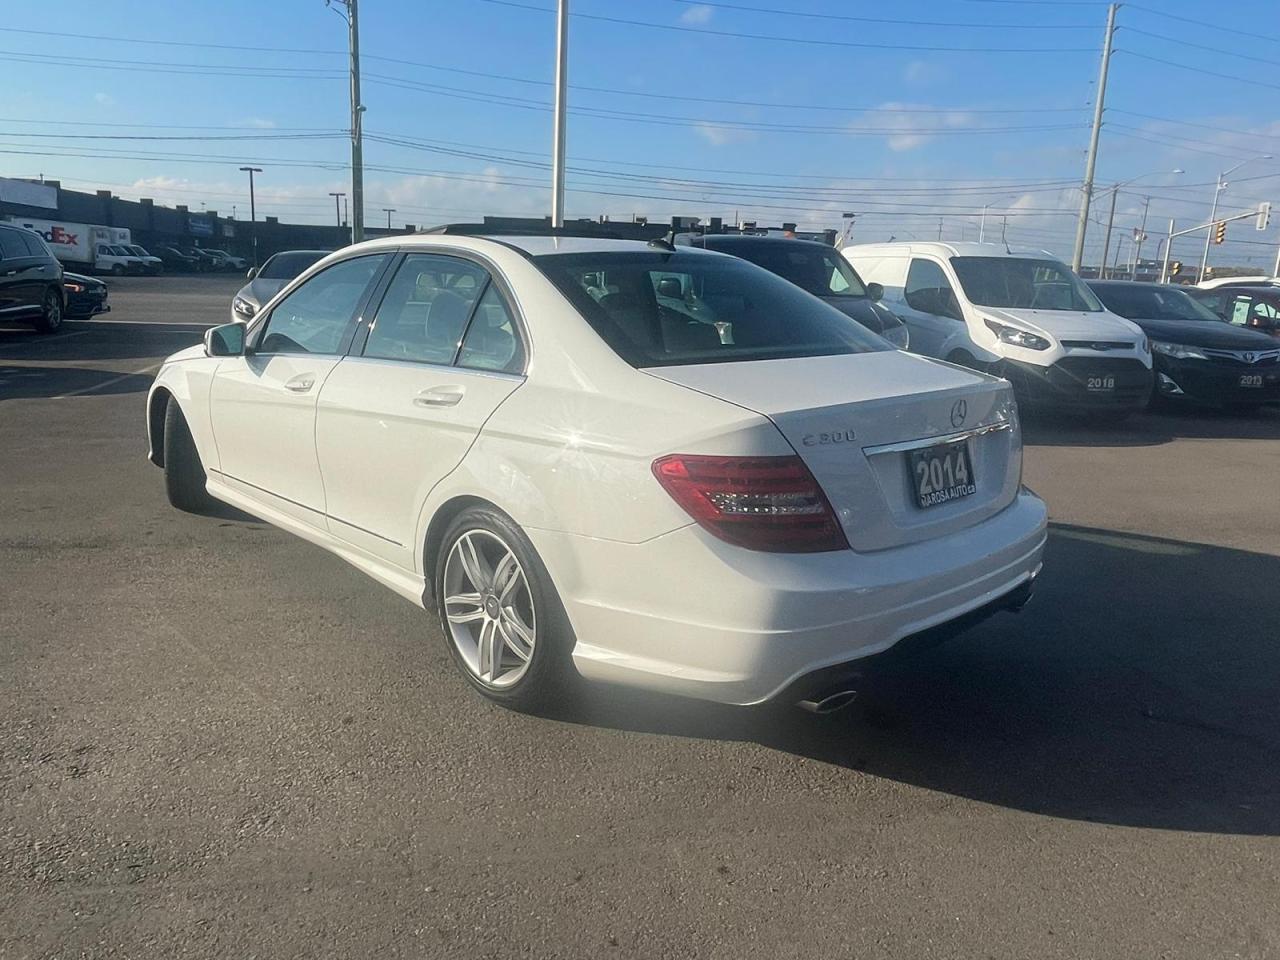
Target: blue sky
(711, 109)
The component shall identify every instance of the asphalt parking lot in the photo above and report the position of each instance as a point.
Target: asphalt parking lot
(218, 740)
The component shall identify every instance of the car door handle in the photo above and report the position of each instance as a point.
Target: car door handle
(301, 383)
(10, 273)
(440, 397)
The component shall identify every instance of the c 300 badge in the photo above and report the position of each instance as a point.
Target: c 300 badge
(835, 436)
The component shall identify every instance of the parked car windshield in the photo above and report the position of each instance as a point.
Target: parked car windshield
(1153, 303)
(812, 267)
(121, 251)
(1021, 283)
(286, 266)
(139, 250)
(658, 309)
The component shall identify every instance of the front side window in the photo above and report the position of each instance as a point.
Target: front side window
(315, 317)
(425, 310)
(1021, 283)
(657, 308)
(928, 290)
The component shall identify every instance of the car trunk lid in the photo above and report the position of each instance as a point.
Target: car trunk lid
(856, 420)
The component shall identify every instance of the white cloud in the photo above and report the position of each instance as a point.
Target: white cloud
(916, 128)
(698, 13)
(719, 135)
(261, 123)
(104, 99)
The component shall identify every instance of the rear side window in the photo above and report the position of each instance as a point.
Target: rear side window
(425, 310)
(656, 309)
(492, 341)
(11, 245)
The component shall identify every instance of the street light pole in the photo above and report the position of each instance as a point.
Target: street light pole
(253, 213)
(352, 16)
(558, 131)
(1077, 257)
(1213, 215)
(1106, 240)
(337, 207)
(982, 225)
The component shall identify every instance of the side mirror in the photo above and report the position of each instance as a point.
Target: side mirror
(224, 341)
(251, 273)
(875, 291)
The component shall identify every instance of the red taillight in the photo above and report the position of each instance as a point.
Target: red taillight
(762, 503)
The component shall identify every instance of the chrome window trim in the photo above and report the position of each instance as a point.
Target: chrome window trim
(904, 445)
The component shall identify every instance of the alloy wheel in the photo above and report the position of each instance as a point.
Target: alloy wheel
(489, 609)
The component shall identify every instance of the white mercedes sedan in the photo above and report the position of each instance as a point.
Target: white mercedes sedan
(654, 466)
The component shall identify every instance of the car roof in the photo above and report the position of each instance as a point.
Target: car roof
(1130, 284)
(528, 244)
(1261, 288)
(748, 240)
(956, 249)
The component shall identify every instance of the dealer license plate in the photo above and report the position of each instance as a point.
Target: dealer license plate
(942, 473)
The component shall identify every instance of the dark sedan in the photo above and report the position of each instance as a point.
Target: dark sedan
(817, 269)
(1256, 307)
(86, 296)
(1197, 355)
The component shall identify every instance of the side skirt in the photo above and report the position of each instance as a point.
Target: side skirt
(408, 585)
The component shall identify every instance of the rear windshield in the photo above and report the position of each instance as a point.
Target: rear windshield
(286, 266)
(812, 267)
(1023, 283)
(659, 309)
(1153, 303)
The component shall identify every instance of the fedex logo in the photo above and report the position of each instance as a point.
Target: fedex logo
(58, 235)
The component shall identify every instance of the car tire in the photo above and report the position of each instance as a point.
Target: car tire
(117, 270)
(184, 476)
(51, 313)
(514, 607)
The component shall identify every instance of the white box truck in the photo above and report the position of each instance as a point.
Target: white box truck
(86, 246)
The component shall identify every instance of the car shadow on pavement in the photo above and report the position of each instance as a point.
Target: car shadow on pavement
(1163, 425)
(1139, 688)
(99, 340)
(25, 383)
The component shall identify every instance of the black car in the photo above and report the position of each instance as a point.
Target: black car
(30, 280)
(1257, 308)
(1197, 355)
(817, 269)
(85, 296)
(175, 259)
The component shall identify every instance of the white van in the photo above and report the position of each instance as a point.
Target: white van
(1021, 314)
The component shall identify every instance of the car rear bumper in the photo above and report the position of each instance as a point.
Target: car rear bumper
(1217, 381)
(687, 614)
(1073, 383)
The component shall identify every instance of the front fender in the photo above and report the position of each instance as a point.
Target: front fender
(188, 383)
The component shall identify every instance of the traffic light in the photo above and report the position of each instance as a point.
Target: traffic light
(1175, 268)
(1220, 231)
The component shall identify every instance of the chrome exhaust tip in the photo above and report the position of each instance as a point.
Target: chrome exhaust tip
(829, 702)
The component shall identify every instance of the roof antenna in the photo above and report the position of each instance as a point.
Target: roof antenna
(667, 243)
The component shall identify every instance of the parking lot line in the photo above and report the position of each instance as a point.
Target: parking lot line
(107, 383)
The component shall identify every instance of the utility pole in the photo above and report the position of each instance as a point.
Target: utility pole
(1106, 240)
(558, 131)
(1142, 235)
(352, 16)
(346, 213)
(337, 207)
(1077, 257)
(939, 228)
(253, 212)
(388, 211)
(982, 225)
(1168, 247)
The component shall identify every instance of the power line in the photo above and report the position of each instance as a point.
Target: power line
(1234, 54)
(481, 96)
(775, 11)
(1207, 24)
(62, 34)
(707, 31)
(1173, 63)
(1202, 126)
